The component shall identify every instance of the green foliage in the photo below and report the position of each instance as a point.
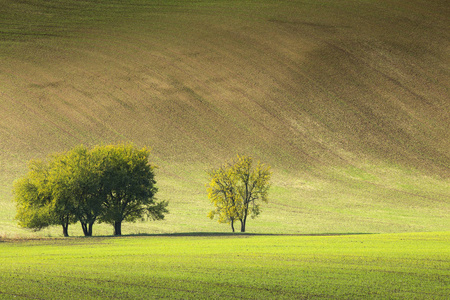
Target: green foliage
(376, 266)
(127, 185)
(109, 183)
(38, 202)
(236, 190)
(75, 185)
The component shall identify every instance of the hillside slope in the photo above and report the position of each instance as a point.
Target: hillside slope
(348, 101)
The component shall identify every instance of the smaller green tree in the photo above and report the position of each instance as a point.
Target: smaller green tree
(222, 194)
(236, 190)
(33, 207)
(34, 196)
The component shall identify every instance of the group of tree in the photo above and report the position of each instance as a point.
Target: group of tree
(116, 183)
(237, 189)
(111, 184)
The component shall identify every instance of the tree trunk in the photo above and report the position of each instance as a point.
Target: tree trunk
(90, 228)
(118, 228)
(64, 221)
(84, 227)
(65, 230)
(232, 225)
(243, 226)
(87, 228)
(243, 221)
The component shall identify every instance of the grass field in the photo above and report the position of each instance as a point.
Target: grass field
(346, 100)
(222, 266)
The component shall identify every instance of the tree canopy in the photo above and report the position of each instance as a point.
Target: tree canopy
(110, 184)
(127, 186)
(236, 190)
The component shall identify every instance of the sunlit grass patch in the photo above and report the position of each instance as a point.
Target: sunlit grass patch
(401, 266)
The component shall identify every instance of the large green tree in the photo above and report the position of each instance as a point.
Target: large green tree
(127, 185)
(237, 189)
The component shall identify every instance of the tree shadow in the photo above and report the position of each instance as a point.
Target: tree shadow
(236, 234)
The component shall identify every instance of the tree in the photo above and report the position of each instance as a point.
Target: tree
(236, 190)
(127, 186)
(108, 183)
(36, 208)
(75, 183)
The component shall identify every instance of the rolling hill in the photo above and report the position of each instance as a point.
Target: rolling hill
(348, 101)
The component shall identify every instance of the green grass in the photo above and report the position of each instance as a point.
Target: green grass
(206, 266)
(346, 101)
